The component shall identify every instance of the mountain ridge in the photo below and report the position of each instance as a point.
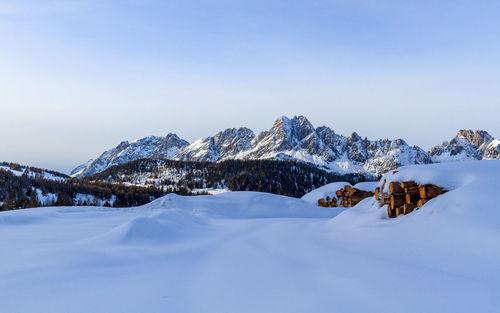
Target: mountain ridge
(298, 139)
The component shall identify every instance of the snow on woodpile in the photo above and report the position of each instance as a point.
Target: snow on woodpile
(366, 186)
(340, 194)
(409, 188)
(324, 191)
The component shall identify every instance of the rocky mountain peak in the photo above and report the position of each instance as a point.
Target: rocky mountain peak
(466, 145)
(122, 145)
(354, 137)
(302, 127)
(477, 137)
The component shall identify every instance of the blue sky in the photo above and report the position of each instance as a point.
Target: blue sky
(78, 77)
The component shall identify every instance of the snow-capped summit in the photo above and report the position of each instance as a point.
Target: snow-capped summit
(294, 138)
(467, 145)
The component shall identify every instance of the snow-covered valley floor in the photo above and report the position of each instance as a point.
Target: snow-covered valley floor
(256, 252)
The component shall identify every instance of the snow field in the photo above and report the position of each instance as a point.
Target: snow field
(256, 252)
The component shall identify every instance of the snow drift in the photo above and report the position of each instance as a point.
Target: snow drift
(255, 252)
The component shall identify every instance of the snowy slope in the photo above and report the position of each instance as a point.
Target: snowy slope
(255, 252)
(34, 172)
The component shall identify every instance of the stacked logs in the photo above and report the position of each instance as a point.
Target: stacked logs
(345, 197)
(328, 202)
(406, 197)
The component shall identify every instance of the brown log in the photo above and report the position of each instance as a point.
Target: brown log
(391, 213)
(422, 192)
(384, 198)
(430, 191)
(396, 201)
(399, 211)
(409, 184)
(359, 195)
(347, 188)
(398, 194)
(408, 207)
(339, 192)
(395, 187)
(346, 204)
(377, 191)
(412, 190)
(383, 185)
(421, 202)
(411, 198)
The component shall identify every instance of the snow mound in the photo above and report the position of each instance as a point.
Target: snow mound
(159, 227)
(470, 204)
(471, 201)
(175, 218)
(244, 205)
(447, 175)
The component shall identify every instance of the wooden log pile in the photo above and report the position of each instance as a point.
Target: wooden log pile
(345, 197)
(405, 197)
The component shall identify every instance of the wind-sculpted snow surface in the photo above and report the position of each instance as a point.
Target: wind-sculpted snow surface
(256, 252)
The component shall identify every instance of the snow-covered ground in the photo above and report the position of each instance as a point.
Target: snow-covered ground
(256, 252)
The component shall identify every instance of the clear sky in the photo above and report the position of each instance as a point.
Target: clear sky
(78, 77)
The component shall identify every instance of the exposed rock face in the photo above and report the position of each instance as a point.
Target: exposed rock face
(477, 138)
(298, 139)
(467, 145)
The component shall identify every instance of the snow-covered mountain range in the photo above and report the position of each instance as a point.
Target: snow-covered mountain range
(298, 139)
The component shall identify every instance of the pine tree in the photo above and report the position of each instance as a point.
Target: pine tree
(33, 202)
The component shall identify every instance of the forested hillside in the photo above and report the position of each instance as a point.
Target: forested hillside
(25, 187)
(141, 181)
(289, 178)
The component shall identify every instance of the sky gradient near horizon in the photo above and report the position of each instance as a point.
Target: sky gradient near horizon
(78, 77)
